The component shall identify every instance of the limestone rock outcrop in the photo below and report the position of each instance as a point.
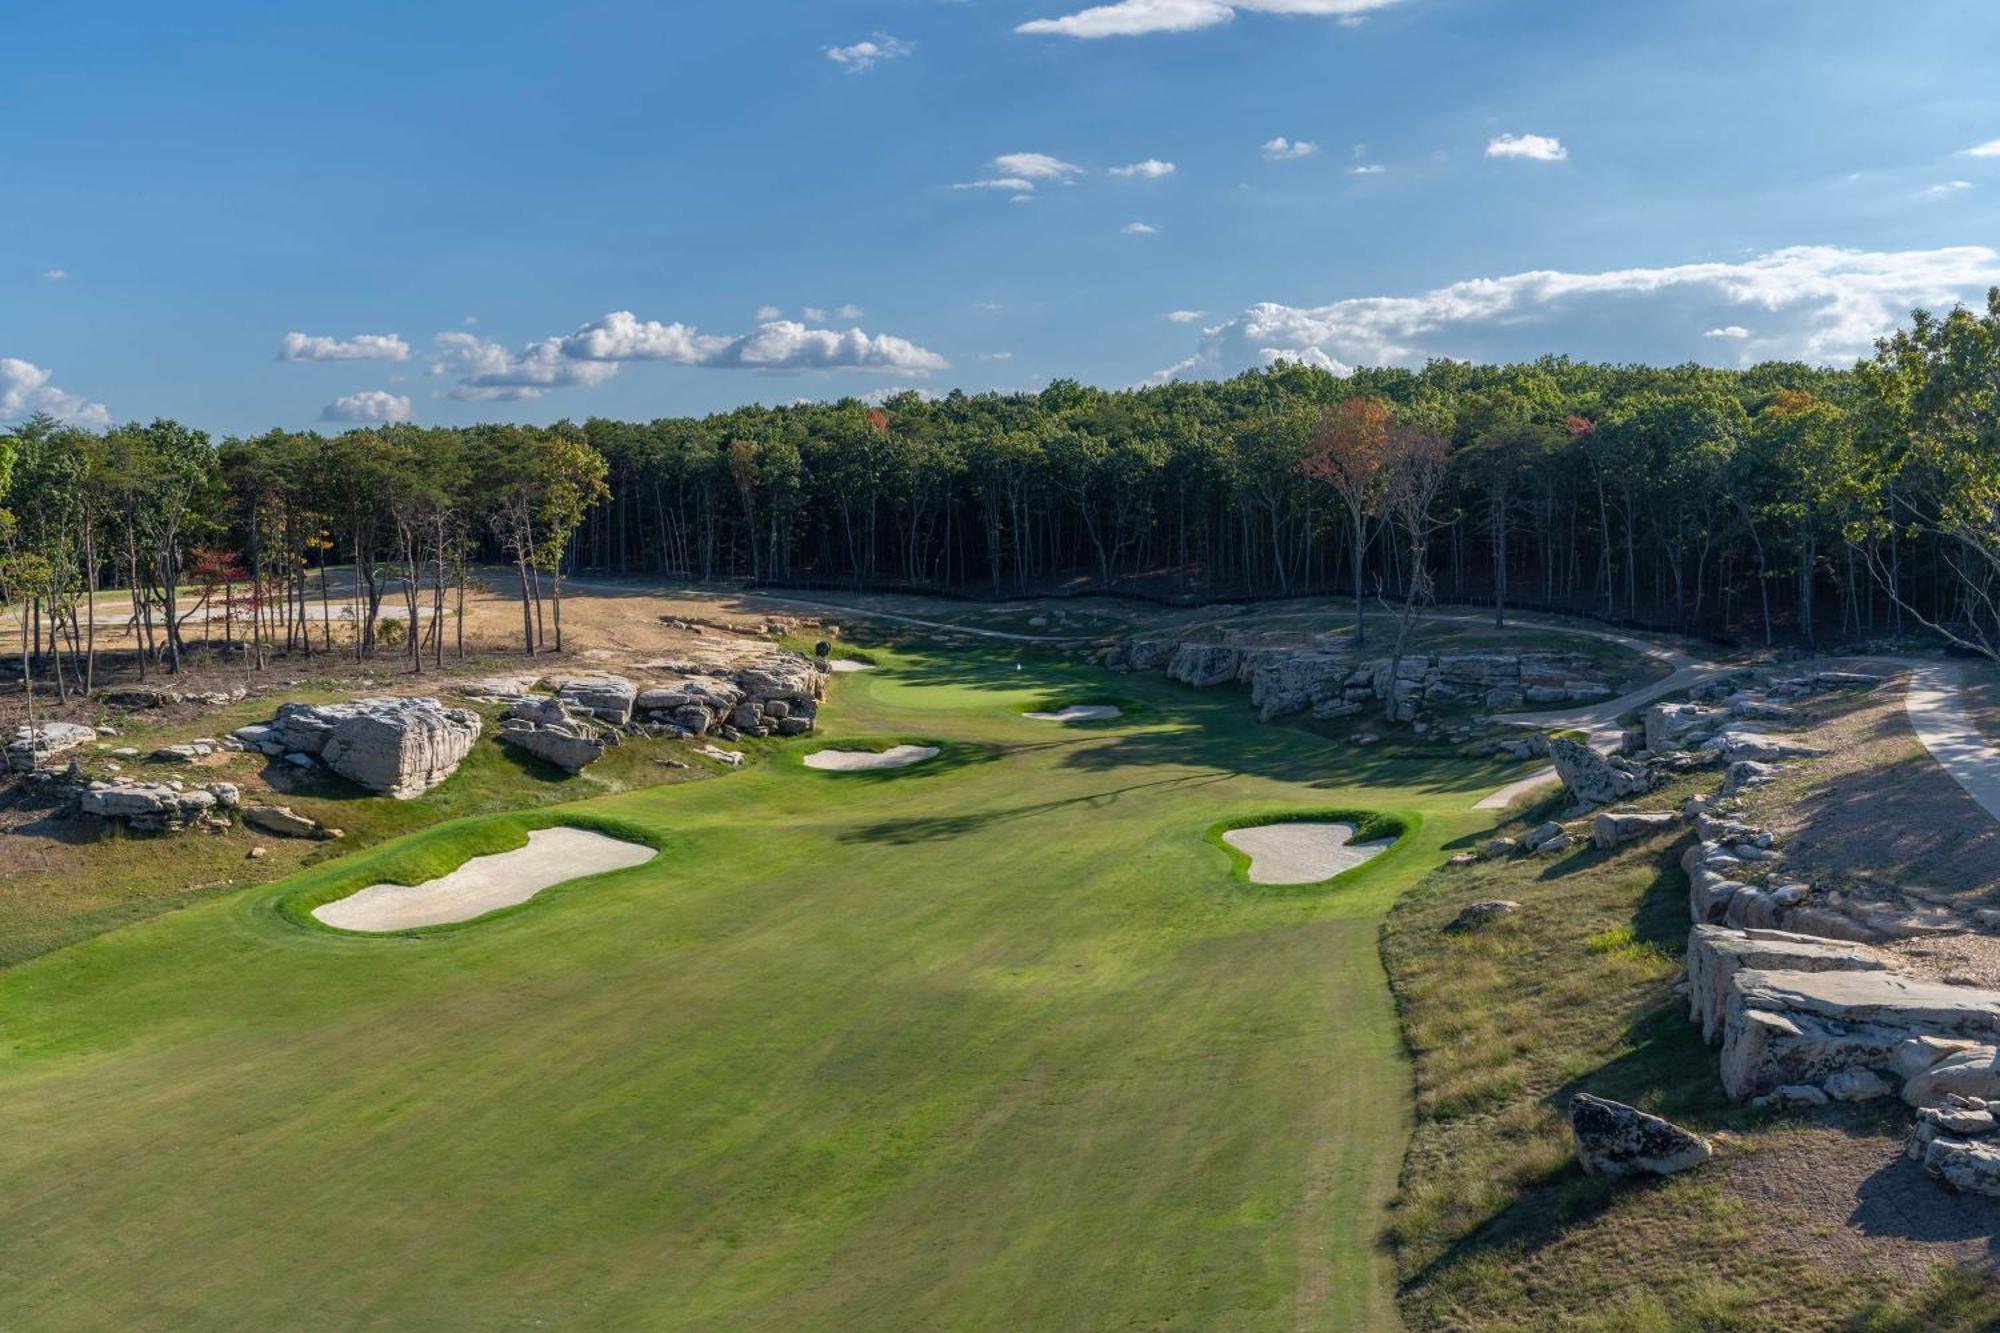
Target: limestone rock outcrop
(31, 746)
(555, 732)
(156, 807)
(394, 746)
(1593, 779)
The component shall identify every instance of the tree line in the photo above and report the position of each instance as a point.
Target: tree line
(1782, 500)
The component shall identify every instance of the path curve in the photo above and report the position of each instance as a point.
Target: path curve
(1937, 714)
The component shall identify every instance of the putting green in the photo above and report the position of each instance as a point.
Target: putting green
(998, 1040)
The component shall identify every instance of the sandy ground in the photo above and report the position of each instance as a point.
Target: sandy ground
(486, 883)
(1079, 713)
(856, 761)
(843, 665)
(1300, 853)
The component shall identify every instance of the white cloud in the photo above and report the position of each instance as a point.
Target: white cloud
(361, 347)
(1014, 183)
(1133, 18)
(488, 372)
(1991, 148)
(1368, 169)
(1036, 166)
(877, 397)
(996, 356)
(863, 56)
(1281, 148)
(1532, 147)
(850, 311)
(814, 313)
(765, 312)
(1817, 303)
(1151, 169)
(777, 345)
(1728, 331)
(25, 390)
(1185, 316)
(368, 405)
(1140, 229)
(1945, 188)
(55, 275)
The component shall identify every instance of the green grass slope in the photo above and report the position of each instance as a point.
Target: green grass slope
(997, 1041)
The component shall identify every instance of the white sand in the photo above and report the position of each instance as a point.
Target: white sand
(1300, 853)
(844, 664)
(1078, 713)
(486, 883)
(855, 761)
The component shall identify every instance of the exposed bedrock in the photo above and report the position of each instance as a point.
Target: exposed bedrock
(396, 746)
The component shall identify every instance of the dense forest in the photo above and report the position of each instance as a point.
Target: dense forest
(1781, 501)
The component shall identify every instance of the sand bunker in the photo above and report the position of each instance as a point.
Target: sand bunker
(849, 664)
(1300, 853)
(486, 883)
(1078, 713)
(856, 761)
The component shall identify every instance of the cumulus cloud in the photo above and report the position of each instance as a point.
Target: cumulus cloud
(1991, 148)
(1531, 147)
(361, 347)
(776, 345)
(850, 311)
(25, 390)
(864, 56)
(1281, 148)
(489, 373)
(1184, 316)
(1135, 18)
(765, 312)
(370, 405)
(1728, 331)
(1366, 169)
(1151, 169)
(1944, 188)
(1816, 303)
(55, 275)
(1139, 229)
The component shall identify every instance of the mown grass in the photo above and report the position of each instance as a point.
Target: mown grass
(1494, 1225)
(998, 1043)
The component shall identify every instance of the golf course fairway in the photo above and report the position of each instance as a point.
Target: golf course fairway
(1000, 1040)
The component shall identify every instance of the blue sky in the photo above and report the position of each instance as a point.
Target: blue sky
(511, 211)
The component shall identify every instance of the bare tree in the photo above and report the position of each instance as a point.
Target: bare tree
(1418, 466)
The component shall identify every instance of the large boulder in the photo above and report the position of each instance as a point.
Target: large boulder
(1761, 748)
(282, 821)
(786, 676)
(1790, 1026)
(31, 746)
(1203, 665)
(605, 696)
(393, 746)
(1666, 724)
(1613, 1139)
(1716, 954)
(1621, 826)
(1285, 683)
(153, 807)
(1594, 779)
(553, 732)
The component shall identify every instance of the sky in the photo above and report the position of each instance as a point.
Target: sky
(251, 216)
